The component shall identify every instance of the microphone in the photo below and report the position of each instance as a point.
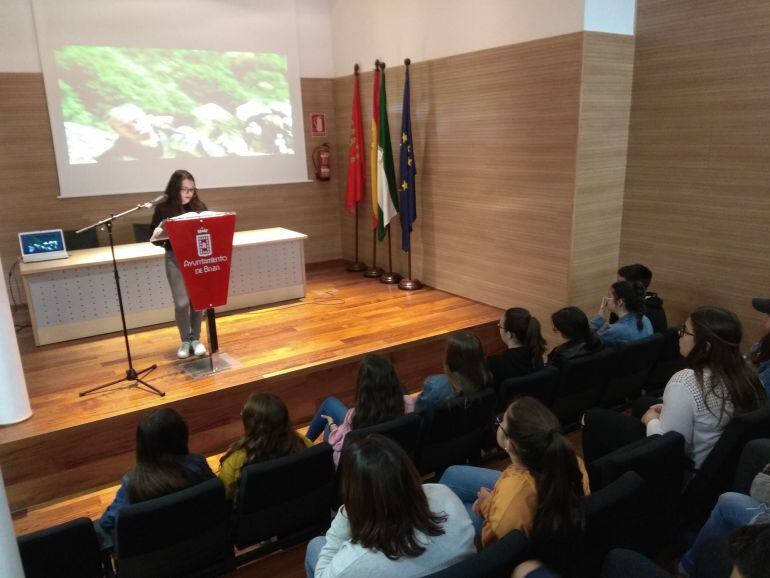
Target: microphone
(156, 201)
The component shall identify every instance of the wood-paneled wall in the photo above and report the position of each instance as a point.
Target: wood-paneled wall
(605, 105)
(29, 184)
(697, 200)
(495, 136)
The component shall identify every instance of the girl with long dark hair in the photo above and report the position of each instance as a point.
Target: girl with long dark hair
(267, 434)
(541, 493)
(580, 339)
(163, 464)
(698, 402)
(626, 300)
(390, 525)
(380, 397)
(520, 332)
(465, 372)
(182, 197)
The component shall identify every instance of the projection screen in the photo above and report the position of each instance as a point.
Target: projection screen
(138, 89)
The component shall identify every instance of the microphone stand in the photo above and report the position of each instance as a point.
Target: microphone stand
(132, 374)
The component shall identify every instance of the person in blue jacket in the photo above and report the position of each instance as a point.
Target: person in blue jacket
(163, 466)
(625, 300)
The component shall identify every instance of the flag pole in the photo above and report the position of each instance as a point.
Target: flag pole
(374, 271)
(390, 277)
(408, 283)
(356, 266)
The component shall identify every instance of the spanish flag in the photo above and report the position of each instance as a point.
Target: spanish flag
(387, 195)
(373, 147)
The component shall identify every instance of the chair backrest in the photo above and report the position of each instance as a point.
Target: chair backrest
(720, 466)
(182, 534)
(453, 431)
(582, 383)
(669, 362)
(754, 457)
(86, 240)
(69, 550)
(636, 360)
(404, 430)
(495, 561)
(622, 563)
(611, 519)
(142, 232)
(284, 497)
(540, 384)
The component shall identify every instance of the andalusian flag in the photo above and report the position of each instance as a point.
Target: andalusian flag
(355, 190)
(387, 194)
(373, 149)
(408, 170)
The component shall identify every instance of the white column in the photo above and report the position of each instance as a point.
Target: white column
(14, 399)
(10, 561)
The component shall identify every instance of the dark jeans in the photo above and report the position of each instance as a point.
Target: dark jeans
(605, 431)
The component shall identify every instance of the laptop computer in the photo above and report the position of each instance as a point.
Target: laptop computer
(42, 245)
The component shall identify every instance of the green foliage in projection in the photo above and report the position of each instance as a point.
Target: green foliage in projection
(164, 82)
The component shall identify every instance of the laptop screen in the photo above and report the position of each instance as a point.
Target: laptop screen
(42, 245)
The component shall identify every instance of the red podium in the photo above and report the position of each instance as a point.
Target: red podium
(203, 246)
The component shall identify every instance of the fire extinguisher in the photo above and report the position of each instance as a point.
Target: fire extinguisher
(322, 157)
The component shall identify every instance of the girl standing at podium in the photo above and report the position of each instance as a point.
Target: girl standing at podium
(182, 197)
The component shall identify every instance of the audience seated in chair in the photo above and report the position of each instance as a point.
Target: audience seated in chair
(580, 339)
(544, 466)
(163, 465)
(267, 434)
(389, 525)
(638, 273)
(380, 397)
(698, 402)
(760, 351)
(627, 302)
(465, 372)
(525, 346)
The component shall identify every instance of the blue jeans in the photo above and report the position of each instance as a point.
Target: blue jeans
(466, 481)
(732, 511)
(311, 554)
(332, 407)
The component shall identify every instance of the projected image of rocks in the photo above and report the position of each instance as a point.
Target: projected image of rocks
(128, 104)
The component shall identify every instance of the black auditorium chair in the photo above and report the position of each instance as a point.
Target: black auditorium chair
(284, 501)
(540, 384)
(622, 563)
(406, 431)
(719, 468)
(669, 362)
(636, 360)
(611, 515)
(660, 461)
(184, 534)
(69, 550)
(142, 232)
(754, 457)
(495, 561)
(582, 383)
(453, 431)
(85, 240)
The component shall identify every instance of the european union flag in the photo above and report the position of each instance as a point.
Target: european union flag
(408, 171)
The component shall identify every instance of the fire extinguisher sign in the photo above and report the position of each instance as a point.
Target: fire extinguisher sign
(317, 124)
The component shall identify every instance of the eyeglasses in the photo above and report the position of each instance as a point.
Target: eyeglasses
(499, 423)
(500, 326)
(186, 190)
(683, 331)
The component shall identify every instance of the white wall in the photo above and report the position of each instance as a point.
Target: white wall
(425, 29)
(616, 16)
(18, 45)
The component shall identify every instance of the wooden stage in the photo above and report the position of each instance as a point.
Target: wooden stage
(302, 350)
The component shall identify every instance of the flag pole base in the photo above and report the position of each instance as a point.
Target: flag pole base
(373, 273)
(390, 278)
(410, 285)
(356, 267)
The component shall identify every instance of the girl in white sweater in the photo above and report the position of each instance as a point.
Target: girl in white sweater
(389, 525)
(698, 402)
